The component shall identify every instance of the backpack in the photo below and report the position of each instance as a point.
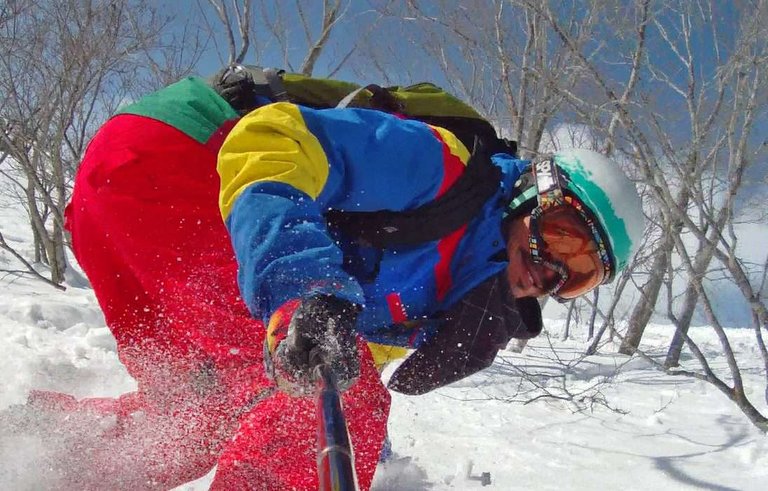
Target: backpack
(424, 102)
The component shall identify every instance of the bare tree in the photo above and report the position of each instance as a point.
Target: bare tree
(56, 85)
(30, 269)
(691, 131)
(498, 56)
(272, 27)
(331, 14)
(551, 373)
(242, 20)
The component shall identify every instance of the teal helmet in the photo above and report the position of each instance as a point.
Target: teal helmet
(603, 188)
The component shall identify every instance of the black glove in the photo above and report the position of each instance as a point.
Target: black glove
(236, 85)
(475, 329)
(321, 331)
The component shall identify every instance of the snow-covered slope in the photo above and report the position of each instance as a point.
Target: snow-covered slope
(676, 433)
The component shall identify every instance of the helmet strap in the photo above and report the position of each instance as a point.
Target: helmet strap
(523, 197)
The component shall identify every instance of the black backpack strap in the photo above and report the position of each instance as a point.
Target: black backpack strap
(242, 85)
(505, 145)
(381, 99)
(431, 221)
(275, 81)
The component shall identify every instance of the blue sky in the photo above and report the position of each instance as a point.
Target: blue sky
(359, 17)
(401, 62)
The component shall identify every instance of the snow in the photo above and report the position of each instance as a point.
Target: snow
(678, 434)
(657, 432)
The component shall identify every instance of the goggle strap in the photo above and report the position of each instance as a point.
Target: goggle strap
(562, 273)
(534, 236)
(597, 237)
(520, 199)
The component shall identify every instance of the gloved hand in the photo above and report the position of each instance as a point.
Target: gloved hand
(473, 332)
(321, 330)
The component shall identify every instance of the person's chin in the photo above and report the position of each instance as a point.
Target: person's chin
(518, 291)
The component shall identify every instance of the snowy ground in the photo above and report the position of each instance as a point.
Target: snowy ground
(666, 433)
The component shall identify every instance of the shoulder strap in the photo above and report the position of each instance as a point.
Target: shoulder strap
(275, 81)
(381, 99)
(431, 221)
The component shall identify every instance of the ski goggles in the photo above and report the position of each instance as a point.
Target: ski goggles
(565, 238)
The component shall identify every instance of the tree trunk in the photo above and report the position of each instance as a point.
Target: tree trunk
(593, 314)
(645, 306)
(701, 263)
(58, 262)
(37, 244)
(568, 319)
(58, 242)
(678, 340)
(41, 250)
(46, 248)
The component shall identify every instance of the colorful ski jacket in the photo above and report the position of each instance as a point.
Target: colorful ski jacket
(283, 166)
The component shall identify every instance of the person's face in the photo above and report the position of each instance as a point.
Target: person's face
(568, 243)
(526, 278)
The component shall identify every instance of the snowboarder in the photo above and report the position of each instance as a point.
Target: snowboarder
(221, 233)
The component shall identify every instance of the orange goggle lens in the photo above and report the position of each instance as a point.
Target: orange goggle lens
(569, 242)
